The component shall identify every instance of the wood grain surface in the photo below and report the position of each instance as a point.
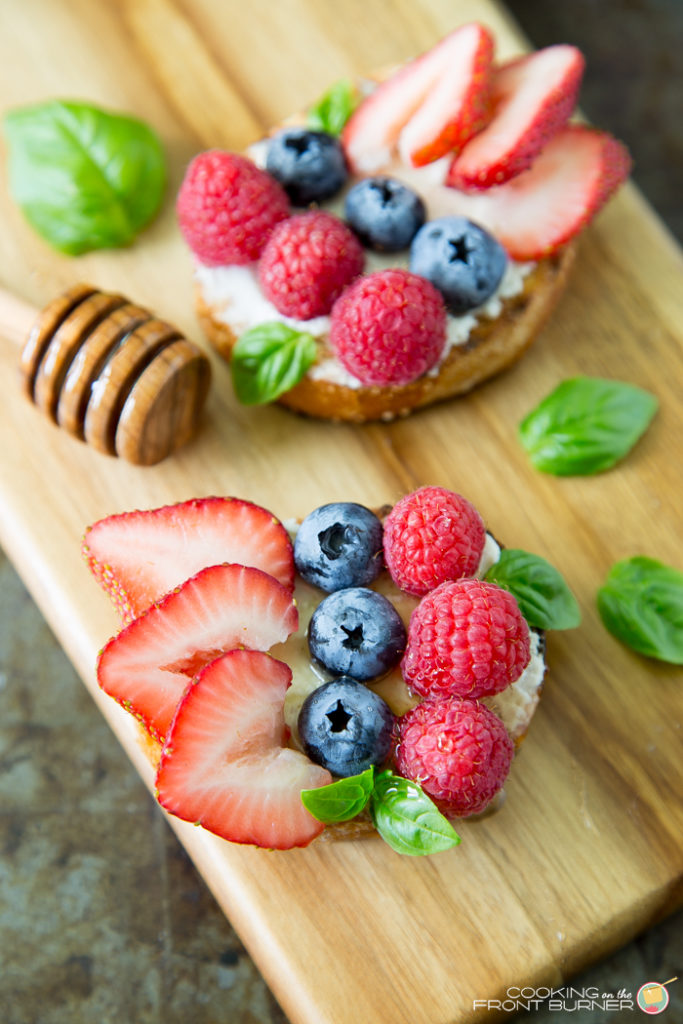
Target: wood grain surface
(586, 850)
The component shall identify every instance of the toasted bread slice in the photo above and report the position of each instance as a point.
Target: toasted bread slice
(492, 345)
(493, 342)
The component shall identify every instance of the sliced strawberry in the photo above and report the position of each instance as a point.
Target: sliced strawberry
(532, 99)
(458, 104)
(147, 666)
(538, 212)
(434, 103)
(137, 557)
(541, 210)
(225, 766)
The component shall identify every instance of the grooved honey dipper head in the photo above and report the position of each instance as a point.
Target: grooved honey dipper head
(112, 374)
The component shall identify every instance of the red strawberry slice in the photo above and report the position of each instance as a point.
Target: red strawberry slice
(245, 792)
(541, 210)
(137, 557)
(458, 104)
(225, 766)
(147, 666)
(544, 208)
(434, 104)
(532, 98)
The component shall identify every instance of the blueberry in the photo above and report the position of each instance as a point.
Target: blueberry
(345, 727)
(384, 213)
(540, 633)
(462, 260)
(339, 545)
(356, 632)
(310, 166)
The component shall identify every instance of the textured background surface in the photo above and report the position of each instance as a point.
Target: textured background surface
(102, 917)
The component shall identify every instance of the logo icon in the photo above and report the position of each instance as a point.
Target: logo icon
(653, 997)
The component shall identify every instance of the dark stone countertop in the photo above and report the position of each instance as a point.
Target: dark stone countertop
(103, 918)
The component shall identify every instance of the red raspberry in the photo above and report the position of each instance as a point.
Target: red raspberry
(465, 639)
(457, 750)
(307, 263)
(227, 208)
(389, 327)
(431, 536)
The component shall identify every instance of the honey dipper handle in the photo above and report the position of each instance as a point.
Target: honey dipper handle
(16, 317)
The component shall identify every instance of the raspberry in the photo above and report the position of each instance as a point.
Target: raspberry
(457, 750)
(431, 536)
(389, 328)
(307, 263)
(466, 639)
(227, 208)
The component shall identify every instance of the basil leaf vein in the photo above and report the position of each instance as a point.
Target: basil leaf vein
(544, 599)
(341, 800)
(407, 819)
(85, 178)
(270, 359)
(641, 604)
(586, 425)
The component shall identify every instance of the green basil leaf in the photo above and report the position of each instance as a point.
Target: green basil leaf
(341, 800)
(84, 178)
(269, 360)
(407, 819)
(586, 425)
(641, 604)
(544, 598)
(334, 108)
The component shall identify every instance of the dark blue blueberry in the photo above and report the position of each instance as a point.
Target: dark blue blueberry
(310, 166)
(384, 213)
(345, 727)
(462, 260)
(356, 632)
(339, 545)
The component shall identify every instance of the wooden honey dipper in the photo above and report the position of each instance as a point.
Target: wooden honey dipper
(109, 372)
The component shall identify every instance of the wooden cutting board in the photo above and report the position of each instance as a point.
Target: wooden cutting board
(586, 850)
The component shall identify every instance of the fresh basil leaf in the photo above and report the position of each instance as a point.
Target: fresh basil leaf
(407, 819)
(84, 178)
(545, 600)
(341, 800)
(641, 604)
(334, 108)
(586, 425)
(269, 360)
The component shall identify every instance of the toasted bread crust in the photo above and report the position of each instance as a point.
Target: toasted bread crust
(493, 345)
